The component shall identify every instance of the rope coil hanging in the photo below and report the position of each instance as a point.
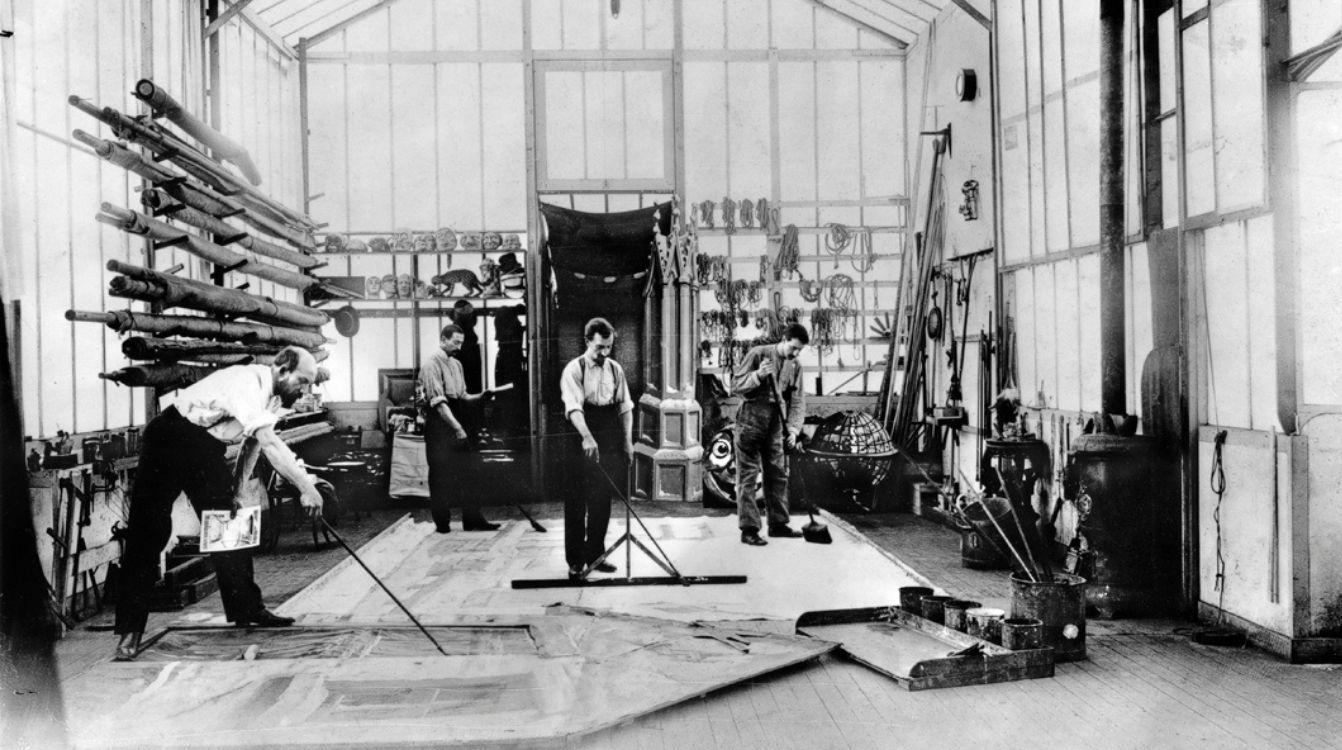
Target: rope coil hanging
(789, 256)
(728, 216)
(837, 240)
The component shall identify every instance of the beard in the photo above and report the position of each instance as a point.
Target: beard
(288, 399)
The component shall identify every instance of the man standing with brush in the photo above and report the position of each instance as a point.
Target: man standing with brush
(773, 405)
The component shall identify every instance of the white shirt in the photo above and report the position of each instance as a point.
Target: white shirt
(232, 403)
(599, 386)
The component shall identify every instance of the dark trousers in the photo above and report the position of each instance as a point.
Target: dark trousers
(175, 457)
(452, 474)
(587, 508)
(759, 449)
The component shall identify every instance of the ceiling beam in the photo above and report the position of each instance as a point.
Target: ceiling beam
(894, 15)
(259, 26)
(327, 33)
(974, 13)
(227, 16)
(864, 18)
(922, 10)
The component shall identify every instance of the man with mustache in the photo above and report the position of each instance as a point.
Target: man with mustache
(183, 451)
(597, 403)
(773, 405)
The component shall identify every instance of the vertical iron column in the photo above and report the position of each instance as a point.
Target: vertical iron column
(1113, 345)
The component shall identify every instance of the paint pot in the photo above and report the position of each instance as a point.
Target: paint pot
(1021, 633)
(1060, 605)
(955, 613)
(911, 597)
(932, 608)
(985, 623)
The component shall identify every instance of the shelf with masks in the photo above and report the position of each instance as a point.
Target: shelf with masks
(421, 268)
(430, 307)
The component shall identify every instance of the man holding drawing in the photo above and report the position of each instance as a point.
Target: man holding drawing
(183, 451)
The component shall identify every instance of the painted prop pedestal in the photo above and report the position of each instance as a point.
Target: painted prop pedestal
(667, 455)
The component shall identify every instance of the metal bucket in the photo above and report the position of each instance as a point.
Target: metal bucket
(954, 611)
(977, 553)
(932, 608)
(991, 519)
(985, 623)
(911, 598)
(1060, 605)
(1021, 633)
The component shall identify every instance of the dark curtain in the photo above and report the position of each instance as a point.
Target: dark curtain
(596, 265)
(31, 710)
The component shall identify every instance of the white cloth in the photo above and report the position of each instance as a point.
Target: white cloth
(586, 383)
(232, 403)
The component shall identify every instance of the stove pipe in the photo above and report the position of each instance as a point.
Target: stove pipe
(1113, 346)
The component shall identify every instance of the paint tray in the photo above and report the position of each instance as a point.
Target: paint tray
(920, 654)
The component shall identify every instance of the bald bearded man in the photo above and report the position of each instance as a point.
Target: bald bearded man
(183, 451)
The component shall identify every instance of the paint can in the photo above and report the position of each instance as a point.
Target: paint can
(1021, 633)
(954, 611)
(1060, 605)
(932, 608)
(911, 597)
(985, 623)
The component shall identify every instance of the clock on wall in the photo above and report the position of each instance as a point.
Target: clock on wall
(966, 84)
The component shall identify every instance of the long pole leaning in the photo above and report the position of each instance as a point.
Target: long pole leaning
(374, 576)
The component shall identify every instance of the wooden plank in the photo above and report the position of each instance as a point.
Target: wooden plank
(974, 13)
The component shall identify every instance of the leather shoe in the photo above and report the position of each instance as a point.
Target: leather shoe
(443, 529)
(265, 619)
(783, 530)
(604, 567)
(574, 574)
(752, 537)
(479, 524)
(128, 647)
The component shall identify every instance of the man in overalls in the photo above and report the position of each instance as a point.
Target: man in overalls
(773, 405)
(597, 402)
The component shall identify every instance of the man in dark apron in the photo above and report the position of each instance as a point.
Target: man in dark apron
(447, 448)
(597, 403)
(773, 405)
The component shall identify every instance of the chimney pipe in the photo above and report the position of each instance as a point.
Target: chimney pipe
(1113, 345)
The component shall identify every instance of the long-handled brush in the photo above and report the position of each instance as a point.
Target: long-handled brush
(534, 523)
(813, 532)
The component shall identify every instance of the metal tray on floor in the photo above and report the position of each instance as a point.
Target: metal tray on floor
(920, 654)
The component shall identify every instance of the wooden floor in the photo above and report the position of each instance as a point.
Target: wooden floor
(1145, 685)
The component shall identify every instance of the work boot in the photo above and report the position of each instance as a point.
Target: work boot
(128, 647)
(752, 537)
(264, 618)
(783, 530)
(604, 567)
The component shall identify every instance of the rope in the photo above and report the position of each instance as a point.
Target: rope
(837, 240)
(728, 216)
(771, 227)
(863, 258)
(839, 291)
(789, 256)
(706, 213)
(811, 290)
(1217, 482)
